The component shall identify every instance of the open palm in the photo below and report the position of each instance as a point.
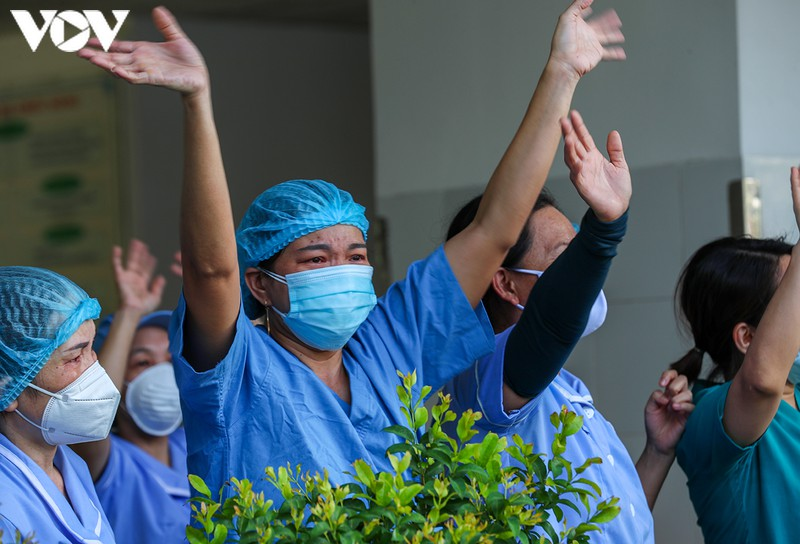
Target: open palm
(604, 184)
(175, 63)
(139, 287)
(580, 44)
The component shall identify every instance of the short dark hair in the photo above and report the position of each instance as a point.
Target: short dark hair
(727, 281)
(467, 214)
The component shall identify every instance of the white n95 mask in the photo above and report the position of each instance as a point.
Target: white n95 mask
(597, 315)
(81, 412)
(152, 400)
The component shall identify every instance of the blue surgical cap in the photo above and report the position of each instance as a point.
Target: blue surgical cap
(282, 214)
(39, 311)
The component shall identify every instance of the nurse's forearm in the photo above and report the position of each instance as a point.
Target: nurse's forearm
(514, 186)
(208, 243)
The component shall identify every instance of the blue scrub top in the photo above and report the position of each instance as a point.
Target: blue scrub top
(748, 494)
(480, 388)
(260, 406)
(31, 503)
(145, 500)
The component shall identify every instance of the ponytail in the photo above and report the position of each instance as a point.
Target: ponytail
(689, 365)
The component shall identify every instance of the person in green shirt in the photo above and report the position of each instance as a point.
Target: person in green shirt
(740, 298)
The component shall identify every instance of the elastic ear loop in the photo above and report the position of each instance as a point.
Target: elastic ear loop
(275, 277)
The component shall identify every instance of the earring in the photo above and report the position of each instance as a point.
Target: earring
(269, 331)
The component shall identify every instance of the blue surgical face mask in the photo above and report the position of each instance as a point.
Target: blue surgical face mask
(794, 373)
(596, 316)
(327, 305)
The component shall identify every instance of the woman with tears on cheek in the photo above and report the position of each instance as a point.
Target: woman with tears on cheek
(53, 392)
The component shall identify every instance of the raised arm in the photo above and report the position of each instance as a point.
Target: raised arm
(559, 304)
(758, 387)
(140, 293)
(577, 47)
(208, 243)
(665, 416)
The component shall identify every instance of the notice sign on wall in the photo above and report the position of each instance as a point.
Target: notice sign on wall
(60, 183)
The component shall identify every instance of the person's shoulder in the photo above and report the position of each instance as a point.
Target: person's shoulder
(705, 390)
(567, 380)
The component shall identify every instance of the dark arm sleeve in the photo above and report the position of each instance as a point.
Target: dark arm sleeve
(558, 307)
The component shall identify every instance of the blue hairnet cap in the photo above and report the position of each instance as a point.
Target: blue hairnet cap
(158, 319)
(39, 311)
(282, 214)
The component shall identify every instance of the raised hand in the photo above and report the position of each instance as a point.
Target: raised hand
(579, 44)
(605, 185)
(175, 63)
(666, 412)
(139, 289)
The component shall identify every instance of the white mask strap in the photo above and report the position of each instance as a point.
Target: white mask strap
(48, 393)
(273, 275)
(32, 423)
(537, 273)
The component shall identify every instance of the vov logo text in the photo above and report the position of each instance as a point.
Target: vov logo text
(86, 21)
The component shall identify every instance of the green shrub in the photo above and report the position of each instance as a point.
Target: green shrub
(440, 491)
(19, 538)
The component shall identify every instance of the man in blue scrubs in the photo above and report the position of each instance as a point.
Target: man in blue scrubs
(315, 384)
(543, 299)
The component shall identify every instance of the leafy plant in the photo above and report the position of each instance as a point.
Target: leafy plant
(19, 538)
(441, 490)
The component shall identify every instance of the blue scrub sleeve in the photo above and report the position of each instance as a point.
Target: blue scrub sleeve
(480, 388)
(428, 325)
(558, 307)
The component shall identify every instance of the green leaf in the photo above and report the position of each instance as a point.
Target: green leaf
(403, 432)
(364, 472)
(400, 447)
(605, 515)
(487, 449)
(572, 423)
(220, 534)
(195, 535)
(420, 417)
(199, 485)
(408, 493)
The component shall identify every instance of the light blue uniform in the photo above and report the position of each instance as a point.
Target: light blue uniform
(744, 495)
(480, 388)
(31, 503)
(260, 406)
(145, 500)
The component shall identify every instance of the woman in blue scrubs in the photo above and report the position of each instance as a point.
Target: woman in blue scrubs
(740, 298)
(53, 392)
(315, 384)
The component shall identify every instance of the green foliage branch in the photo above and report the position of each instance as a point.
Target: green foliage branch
(440, 490)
